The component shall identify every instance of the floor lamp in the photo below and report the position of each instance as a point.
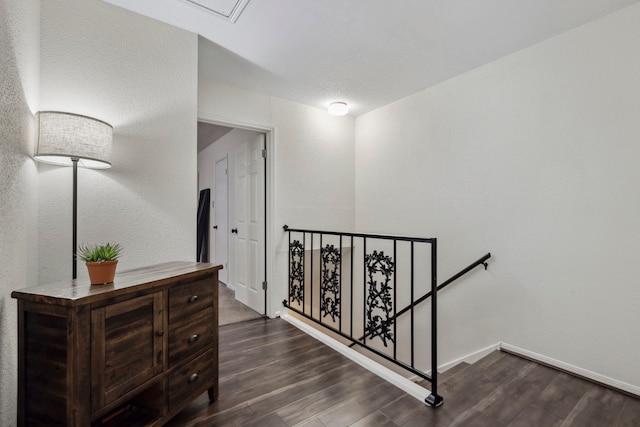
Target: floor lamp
(67, 139)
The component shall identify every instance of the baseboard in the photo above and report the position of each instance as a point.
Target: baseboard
(421, 393)
(571, 369)
(469, 358)
(397, 380)
(232, 287)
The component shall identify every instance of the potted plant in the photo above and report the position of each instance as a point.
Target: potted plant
(101, 261)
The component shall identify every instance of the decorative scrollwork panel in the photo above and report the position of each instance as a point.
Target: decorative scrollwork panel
(330, 283)
(296, 275)
(379, 309)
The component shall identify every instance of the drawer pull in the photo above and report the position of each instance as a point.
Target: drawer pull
(193, 378)
(193, 338)
(160, 333)
(193, 299)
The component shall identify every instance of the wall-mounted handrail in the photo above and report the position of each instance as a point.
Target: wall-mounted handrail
(481, 261)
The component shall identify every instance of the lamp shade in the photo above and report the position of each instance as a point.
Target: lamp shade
(66, 136)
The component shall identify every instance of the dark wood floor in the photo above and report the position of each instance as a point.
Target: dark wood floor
(272, 374)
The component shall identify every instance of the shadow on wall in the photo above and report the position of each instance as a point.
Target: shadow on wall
(19, 44)
(8, 361)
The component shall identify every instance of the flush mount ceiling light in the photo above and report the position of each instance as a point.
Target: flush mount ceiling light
(338, 108)
(228, 9)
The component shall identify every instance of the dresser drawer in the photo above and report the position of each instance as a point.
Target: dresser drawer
(187, 299)
(192, 378)
(190, 336)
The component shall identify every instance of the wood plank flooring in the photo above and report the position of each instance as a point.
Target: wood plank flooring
(272, 374)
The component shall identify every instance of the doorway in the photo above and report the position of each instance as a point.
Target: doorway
(233, 164)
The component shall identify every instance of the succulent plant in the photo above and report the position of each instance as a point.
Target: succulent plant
(99, 253)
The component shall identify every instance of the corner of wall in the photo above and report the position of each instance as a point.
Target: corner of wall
(19, 86)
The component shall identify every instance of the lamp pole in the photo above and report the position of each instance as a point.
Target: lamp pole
(74, 268)
(68, 136)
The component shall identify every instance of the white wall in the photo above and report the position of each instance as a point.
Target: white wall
(534, 158)
(311, 174)
(140, 76)
(19, 68)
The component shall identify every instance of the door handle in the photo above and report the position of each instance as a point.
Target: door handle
(234, 230)
(215, 227)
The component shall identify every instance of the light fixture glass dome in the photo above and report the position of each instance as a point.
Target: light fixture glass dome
(338, 108)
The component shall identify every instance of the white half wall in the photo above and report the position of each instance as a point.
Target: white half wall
(140, 76)
(19, 73)
(533, 158)
(310, 166)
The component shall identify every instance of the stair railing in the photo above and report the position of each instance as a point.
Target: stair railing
(370, 276)
(482, 261)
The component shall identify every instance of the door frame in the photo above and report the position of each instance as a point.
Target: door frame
(216, 209)
(269, 133)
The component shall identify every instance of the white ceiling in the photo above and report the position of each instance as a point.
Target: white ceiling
(366, 52)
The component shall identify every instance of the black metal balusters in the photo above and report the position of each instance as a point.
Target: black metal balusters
(384, 281)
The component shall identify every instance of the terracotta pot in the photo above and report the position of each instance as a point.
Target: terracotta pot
(103, 272)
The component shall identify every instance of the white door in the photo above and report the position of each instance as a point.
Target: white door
(250, 217)
(221, 222)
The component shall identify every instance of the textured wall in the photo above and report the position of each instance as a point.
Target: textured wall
(312, 167)
(19, 53)
(534, 158)
(140, 76)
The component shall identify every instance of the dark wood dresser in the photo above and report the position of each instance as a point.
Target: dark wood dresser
(132, 353)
